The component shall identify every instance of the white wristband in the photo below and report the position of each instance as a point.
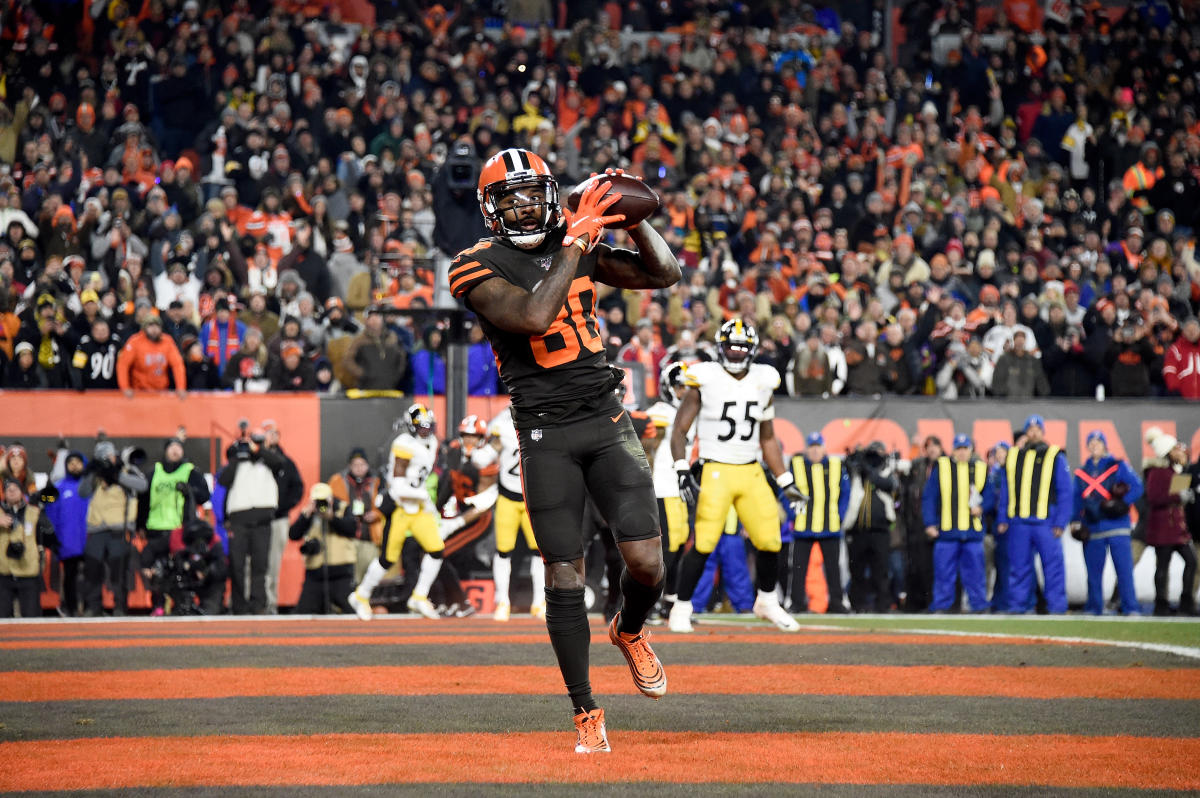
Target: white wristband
(785, 480)
(683, 465)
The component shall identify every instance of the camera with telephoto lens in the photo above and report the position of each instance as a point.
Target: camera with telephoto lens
(16, 550)
(869, 458)
(462, 168)
(321, 506)
(310, 547)
(242, 451)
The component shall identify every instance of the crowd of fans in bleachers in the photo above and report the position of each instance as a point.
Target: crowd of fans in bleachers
(256, 196)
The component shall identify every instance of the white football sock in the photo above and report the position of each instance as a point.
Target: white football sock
(429, 571)
(537, 572)
(501, 573)
(373, 576)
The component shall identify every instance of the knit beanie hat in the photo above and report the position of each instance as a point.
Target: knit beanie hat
(1160, 442)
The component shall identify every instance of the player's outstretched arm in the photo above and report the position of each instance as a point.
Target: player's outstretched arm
(516, 310)
(652, 266)
(689, 408)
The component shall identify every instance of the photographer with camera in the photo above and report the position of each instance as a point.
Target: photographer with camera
(455, 206)
(173, 484)
(195, 573)
(251, 502)
(112, 488)
(1105, 490)
(327, 526)
(24, 530)
(871, 515)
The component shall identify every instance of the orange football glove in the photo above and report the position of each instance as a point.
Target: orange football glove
(588, 221)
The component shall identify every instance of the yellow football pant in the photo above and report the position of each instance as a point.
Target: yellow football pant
(511, 517)
(745, 488)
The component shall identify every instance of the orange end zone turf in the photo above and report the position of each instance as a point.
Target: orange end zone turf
(685, 757)
(1005, 681)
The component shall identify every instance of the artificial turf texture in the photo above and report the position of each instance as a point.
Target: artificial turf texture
(469, 707)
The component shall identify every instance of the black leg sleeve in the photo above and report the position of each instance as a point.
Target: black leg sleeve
(767, 570)
(637, 601)
(690, 571)
(567, 624)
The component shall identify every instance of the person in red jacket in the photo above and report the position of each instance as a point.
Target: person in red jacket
(1166, 526)
(1181, 365)
(148, 359)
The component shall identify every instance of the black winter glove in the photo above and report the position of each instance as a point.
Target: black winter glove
(689, 488)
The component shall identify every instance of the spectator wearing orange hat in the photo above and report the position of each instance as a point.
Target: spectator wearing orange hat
(183, 192)
(291, 371)
(904, 258)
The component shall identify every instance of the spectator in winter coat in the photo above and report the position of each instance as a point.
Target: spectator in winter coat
(1019, 374)
(482, 377)
(375, 360)
(1128, 360)
(1181, 366)
(290, 371)
(221, 336)
(247, 370)
(1166, 527)
(150, 360)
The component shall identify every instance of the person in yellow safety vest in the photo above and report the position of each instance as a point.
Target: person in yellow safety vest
(826, 482)
(1140, 178)
(953, 504)
(171, 482)
(1034, 505)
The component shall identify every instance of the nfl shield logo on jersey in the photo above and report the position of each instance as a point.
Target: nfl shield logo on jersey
(545, 263)
(536, 435)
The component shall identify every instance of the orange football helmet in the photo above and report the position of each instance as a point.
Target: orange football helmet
(514, 170)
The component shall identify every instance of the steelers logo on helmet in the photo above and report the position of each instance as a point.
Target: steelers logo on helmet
(419, 420)
(671, 384)
(737, 344)
(518, 197)
(472, 430)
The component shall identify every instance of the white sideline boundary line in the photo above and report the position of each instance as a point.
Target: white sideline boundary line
(1188, 652)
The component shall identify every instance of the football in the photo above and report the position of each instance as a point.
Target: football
(637, 200)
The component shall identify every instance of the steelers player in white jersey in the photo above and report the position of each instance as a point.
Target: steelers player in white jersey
(732, 401)
(672, 512)
(511, 518)
(408, 509)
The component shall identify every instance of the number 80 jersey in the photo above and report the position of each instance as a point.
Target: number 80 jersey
(561, 372)
(731, 410)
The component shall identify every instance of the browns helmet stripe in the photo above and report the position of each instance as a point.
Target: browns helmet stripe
(509, 162)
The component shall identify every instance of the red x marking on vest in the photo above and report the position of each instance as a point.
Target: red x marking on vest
(1096, 485)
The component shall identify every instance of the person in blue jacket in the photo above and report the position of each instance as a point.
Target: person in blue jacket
(68, 514)
(1105, 488)
(1034, 507)
(729, 559)
(952, 505)
(991, 496)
